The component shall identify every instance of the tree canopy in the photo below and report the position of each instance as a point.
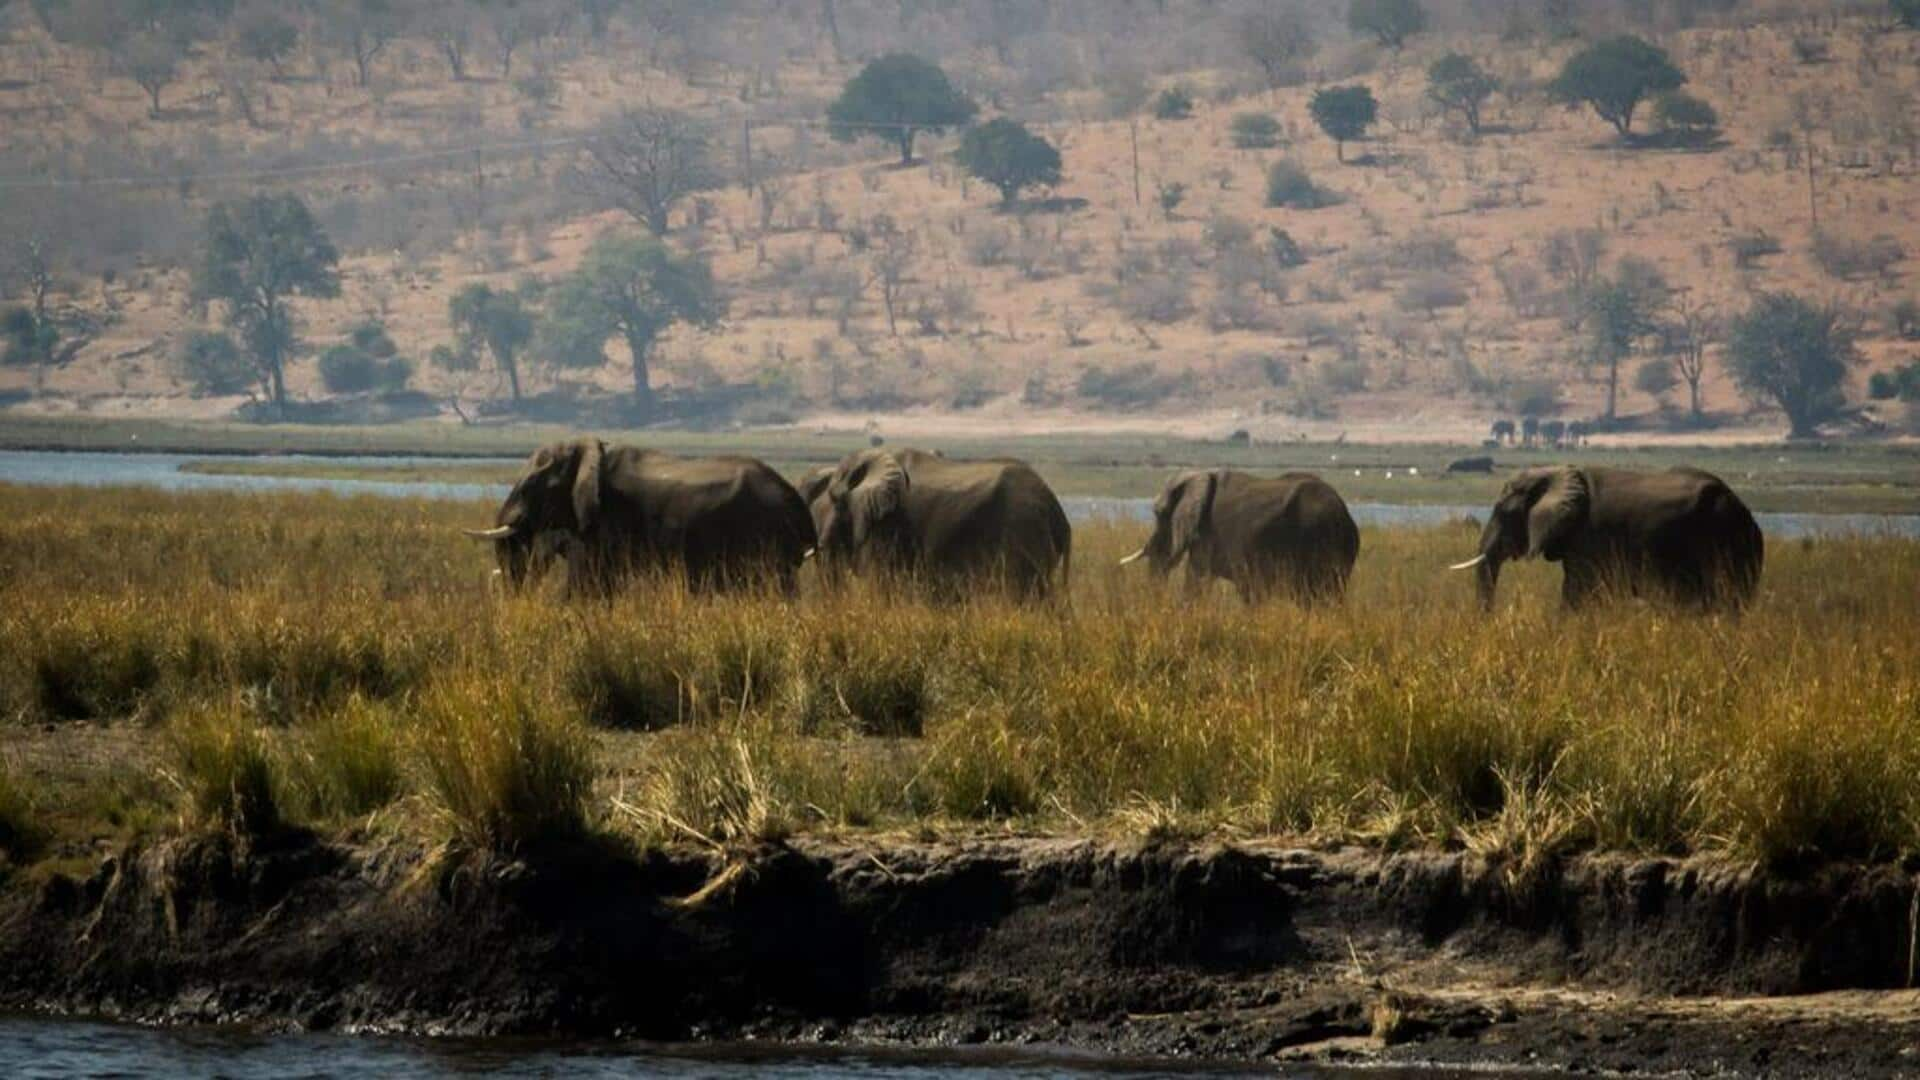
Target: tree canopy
(1344, 113)
(497, 321)
(896, 97)
(259, 252)
(1004, 153)
(1796, 354)
(1457, 83)
(1614, 76)
(1390, 22)
(631, 287)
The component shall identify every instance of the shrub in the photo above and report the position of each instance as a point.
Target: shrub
(226, 770)
(352, 761)
(1289, 185)
(867, 682)
(1255, 131)
(1283, 249)
(1225, 234)
(211, 363)
(349, 369)
(21, 835)
(504, 774)
(1750, 248)
(1345, 375)
(1427, 250)
(1844, 257)
(1655, 377)
(1160, 298)
(1173, 103)
(1905, 318)
(1130, 385)
(1683, 114)
(1429, 293)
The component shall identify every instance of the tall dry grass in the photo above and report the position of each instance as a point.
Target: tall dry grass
(363, 645)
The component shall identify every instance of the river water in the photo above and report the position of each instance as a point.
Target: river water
(164, 471)
(33, 1048)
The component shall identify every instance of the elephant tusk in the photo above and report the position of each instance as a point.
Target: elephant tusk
(498, 532)
(1470, 563)
(1135, 557)
(808, 554)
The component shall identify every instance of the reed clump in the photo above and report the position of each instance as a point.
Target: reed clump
(356, 649)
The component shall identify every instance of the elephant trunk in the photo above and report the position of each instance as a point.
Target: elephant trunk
(1486, 577)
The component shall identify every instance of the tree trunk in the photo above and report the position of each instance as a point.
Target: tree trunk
(833, 28)
(906, 146)
(1340, 150)
(513, 378)
(638, 346)
(1613, 384)
(656, 219)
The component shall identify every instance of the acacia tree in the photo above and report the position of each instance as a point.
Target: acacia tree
(1004, 153)
(258, 254)
(1795, 353)
(261, 32)
(496, 320)
(152, 61)
(896, 97)
(631, 287)
(1344, 113)
(645, 160)
(1390, 22)
(1614, 76)
(1457, 83)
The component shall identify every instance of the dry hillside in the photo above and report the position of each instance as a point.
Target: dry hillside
(1428, 303)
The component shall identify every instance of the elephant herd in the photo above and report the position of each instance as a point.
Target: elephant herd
(957, 527)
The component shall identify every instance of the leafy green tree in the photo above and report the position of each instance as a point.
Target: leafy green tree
(261, 32)
(1004, 153)
(1457, 83)
(631, 287)
(211, 363)
(356, 368)
(896, 97)
(1795, 353)
(258, 254)
(1391, 22)
(152, 61)
(496, 320)
(1685, 115)
(28, 338)
(1655, 378)
(1908, 13)
(1344, 113)
(1618, 311)
(1614, 76)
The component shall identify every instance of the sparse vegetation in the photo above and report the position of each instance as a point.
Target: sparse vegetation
(868, 711)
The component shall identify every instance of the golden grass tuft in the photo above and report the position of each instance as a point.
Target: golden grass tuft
(357, 657)
(225, 768)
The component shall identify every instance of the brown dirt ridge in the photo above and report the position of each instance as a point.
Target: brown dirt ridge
(1208, 951)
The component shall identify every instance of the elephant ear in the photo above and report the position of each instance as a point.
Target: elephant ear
(587, 483)
(1192, 516)
(875, 493)
(1557, 513)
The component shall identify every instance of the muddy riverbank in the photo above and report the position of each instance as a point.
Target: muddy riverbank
(1229, 953)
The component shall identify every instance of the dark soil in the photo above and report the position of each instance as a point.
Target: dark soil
(1230, 953)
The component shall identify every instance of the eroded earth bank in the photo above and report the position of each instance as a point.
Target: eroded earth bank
(1243, 953)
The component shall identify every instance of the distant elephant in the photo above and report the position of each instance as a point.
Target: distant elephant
(1682, 535)
(951, 524)
(1289, 533)
(614, 510)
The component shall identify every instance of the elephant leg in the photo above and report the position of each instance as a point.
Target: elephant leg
(1577, 586)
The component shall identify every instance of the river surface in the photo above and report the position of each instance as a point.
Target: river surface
(33, 1048)
(164, 471)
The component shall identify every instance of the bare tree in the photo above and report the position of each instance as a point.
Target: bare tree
(450, 27)
(362, 29)
(1277, 40)
(518, 24)
(645, 160)
(891, 264)
(1693, 327)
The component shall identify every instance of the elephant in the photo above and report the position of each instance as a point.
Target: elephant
(1290, 533)
(614, 510)
(951, 524)
(1681, 535)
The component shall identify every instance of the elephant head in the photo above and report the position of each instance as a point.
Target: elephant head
(813, 491)
(554, 507)
(865, 512)
(1182, 517)
(1539, 513)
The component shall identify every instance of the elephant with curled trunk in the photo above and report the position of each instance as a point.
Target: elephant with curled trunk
(1289, 534)
(953, 525)
(611, 511)
(1680, 535)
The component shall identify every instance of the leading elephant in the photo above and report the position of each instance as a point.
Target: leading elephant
(611, 511)
(1681, 535)
(953, 525)
(1290, 533)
